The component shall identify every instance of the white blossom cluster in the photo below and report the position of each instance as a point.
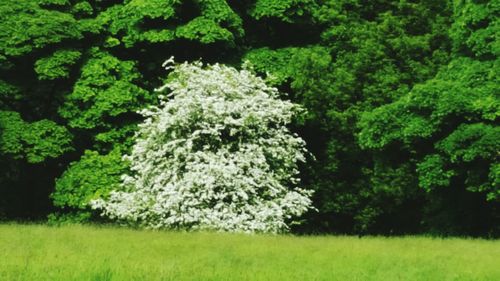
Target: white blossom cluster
(215, 154)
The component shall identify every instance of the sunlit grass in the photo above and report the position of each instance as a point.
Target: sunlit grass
(37, 252)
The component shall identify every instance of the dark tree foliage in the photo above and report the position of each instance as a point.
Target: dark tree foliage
(402, 96)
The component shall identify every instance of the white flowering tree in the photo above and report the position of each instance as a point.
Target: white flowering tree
(215, 154)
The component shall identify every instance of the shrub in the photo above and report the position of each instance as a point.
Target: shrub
(215, 154)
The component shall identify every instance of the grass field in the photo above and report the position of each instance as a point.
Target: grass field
(37, 252)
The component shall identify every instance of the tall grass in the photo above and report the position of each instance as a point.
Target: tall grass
(37, 252)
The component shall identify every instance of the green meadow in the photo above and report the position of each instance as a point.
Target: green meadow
(38, 252)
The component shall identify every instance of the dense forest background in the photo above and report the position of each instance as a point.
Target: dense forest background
(402, 97)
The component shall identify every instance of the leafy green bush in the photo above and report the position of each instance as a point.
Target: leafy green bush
(93, 176)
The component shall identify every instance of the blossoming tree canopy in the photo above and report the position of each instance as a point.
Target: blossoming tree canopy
(215, 154)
